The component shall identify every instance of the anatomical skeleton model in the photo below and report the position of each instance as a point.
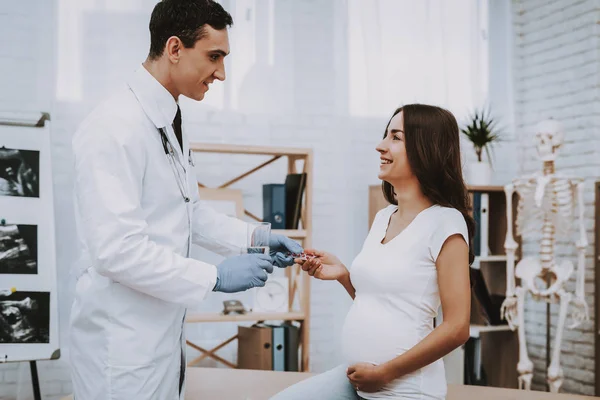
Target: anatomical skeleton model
(547, 204)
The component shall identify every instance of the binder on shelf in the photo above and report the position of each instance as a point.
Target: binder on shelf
(477, 218)
(274, 205)
(292, 342)
(279, 348)
(255, 347)
(294, 189)
(484, 225)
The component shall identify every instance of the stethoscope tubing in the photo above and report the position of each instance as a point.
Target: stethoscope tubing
(169, 152)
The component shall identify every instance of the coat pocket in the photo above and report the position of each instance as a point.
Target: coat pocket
(134, 382)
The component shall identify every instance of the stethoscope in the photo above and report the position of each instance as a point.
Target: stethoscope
(170, 153)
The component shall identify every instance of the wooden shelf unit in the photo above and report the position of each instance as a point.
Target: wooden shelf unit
(496, 258)
(298, 282)
(497, 345)
(476, 330)
(489, 261)
(251, 316)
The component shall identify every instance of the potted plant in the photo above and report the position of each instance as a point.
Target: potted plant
(482, 133)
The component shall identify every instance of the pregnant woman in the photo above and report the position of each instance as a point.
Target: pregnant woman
(415, 258)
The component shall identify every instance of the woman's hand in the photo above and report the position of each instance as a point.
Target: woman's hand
(322, 265)
(367, 377)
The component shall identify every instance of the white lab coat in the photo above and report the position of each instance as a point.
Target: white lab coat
(135, 279)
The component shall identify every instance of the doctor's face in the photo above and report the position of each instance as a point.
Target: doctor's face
(200, 65)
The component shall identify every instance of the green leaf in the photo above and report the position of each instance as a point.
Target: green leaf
(481, 130)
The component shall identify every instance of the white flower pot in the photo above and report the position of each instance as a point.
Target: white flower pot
(479, 173)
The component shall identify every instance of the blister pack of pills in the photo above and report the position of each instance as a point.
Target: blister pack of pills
(302, 256)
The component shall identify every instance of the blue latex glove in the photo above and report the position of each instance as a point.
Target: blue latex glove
(239, 273)
(279, 246)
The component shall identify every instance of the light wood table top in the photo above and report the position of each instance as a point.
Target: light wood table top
(240, 384)
(207, 383)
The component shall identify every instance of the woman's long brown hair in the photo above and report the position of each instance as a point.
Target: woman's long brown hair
(432, 141)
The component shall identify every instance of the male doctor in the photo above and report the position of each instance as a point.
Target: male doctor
(138, 213)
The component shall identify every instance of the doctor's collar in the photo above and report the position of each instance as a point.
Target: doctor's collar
(158, 104)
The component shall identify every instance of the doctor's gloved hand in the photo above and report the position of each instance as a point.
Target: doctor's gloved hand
(239, 273)
(280, 246)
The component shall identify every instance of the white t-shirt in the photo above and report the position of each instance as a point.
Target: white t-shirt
(397, 298)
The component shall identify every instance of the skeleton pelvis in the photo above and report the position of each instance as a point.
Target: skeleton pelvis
(535, 278)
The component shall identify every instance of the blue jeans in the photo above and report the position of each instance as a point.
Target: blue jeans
(330, 385)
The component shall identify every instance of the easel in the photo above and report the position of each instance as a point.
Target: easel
(31, 120)
(35, 382)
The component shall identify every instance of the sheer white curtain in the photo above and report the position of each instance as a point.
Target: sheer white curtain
(101, 42)
(403, 51)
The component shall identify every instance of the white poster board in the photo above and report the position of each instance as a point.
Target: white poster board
(28, 296)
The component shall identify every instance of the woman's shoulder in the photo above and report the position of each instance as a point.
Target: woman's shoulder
(447, 211)
(448, 215)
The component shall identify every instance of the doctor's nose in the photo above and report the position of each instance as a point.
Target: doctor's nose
(220, 73)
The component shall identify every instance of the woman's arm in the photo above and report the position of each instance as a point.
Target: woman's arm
(347, 284)
(455, 295)
(327, 267)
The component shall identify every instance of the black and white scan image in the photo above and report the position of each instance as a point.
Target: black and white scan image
(18, 249)
(25, 317)
(19, 172)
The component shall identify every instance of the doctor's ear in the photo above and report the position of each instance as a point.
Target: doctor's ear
(173, 49)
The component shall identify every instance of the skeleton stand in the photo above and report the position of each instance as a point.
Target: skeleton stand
(548, 200)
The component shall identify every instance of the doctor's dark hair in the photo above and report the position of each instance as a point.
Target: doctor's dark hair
(432, 141)
(185, 19)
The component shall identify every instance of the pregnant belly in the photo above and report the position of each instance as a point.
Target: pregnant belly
(372, 334)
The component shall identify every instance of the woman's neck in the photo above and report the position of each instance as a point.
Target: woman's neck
(410, 198)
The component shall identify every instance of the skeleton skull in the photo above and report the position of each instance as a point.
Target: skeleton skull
(548, 138)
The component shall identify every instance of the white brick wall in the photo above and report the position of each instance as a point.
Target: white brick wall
(26, 64)
(556, 74)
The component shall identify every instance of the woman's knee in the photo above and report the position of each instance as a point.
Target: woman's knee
(331, 385)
